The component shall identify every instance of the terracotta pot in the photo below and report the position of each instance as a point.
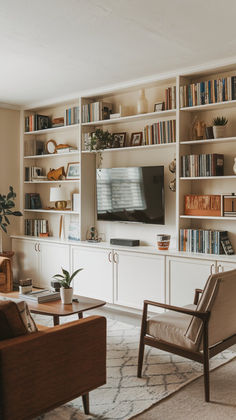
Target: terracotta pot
(66, 295)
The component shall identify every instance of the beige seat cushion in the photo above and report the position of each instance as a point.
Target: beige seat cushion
(171, 327)
(24, 313)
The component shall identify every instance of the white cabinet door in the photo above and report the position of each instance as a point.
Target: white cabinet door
(52, 257)
(138, 277)
(26, 262)
(96, 279)
(225, 266)
(184, 275)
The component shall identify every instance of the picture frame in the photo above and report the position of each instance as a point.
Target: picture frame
(73, 231)
(120, 138)
(159, 107)
(136, 139)
(73, 170)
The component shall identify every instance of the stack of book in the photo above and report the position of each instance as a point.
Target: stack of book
(32, 201)
(72, 116)
(57, 122)
(36, 122)
(202, 165)
(34, 227)
(160, 133)
(202, 241)
(66, 150)
(96, 111)
(40, 296)
(170, 98)
(208, 92)
(203, 205)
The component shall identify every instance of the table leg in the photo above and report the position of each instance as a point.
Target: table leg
(56, 320)
(80, 315)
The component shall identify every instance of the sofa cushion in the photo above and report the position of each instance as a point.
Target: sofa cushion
(11, 323)
(24, 313)
(171, 327)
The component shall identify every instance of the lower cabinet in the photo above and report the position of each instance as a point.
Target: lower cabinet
(138, 277)
(96, 279)
(39, 260)
(183, 276)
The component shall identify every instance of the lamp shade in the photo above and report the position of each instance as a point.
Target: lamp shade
(58, 194)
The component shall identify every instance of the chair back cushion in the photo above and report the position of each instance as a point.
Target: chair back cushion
(24, 313)
(218, 297)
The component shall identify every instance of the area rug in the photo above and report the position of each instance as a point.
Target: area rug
(125, 395)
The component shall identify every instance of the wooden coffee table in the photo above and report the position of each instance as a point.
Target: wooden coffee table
(56, 308)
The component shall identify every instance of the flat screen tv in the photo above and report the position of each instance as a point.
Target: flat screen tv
(133, 194)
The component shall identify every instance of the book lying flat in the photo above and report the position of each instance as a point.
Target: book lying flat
(41, 296)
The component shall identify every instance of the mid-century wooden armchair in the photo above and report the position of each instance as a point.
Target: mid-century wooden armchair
(199, 331)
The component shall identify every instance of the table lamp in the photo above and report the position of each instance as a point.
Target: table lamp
(59, 196)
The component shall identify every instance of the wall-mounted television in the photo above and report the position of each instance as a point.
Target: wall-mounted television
(133, 194)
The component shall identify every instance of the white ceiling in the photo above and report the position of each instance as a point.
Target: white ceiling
(52, 48)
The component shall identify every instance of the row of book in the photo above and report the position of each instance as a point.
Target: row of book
(33, 172)
(96, 111)
(72, 116)
(170, 98)
(36, 122)
(160, 133)
(202, 165)
(203, 241)
(208, 92)
(32, 201)
(34, 227)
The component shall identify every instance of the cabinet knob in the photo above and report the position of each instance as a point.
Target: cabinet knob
(35, 247)
(39, 250)
(109, 256)
(115, 258)
(220, 268)
(212, 267)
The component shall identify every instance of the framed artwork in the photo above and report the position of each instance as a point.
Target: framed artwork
(119, 139)
(73, 232)
(136, 139)
(159, 106)
(73, 170)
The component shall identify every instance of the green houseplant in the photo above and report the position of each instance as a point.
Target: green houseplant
(65, 279)
(7, 203)
(219, 125)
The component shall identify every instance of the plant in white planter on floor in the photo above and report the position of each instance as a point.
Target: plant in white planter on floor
(219, 125)
(66, 291)
(7, 203)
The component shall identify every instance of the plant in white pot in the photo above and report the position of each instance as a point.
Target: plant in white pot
(7, 203)
(219, 126)
(66, 291)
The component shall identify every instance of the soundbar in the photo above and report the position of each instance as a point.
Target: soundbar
(124, 242)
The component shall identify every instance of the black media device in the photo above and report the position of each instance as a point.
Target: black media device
(133, 194)
(124, 242)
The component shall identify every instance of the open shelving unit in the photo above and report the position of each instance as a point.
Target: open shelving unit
(143, 155)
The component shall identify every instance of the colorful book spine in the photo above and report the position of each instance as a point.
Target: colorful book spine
(202, 241)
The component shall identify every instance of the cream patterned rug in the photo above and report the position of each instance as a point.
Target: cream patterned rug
(125, 395)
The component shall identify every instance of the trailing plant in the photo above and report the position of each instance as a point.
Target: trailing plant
(6, 205)
(220, 121)
(66, 278)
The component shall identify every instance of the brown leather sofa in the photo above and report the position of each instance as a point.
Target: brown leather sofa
(45, 369)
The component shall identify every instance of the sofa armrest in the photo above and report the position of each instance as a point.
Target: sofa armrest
(46, 369)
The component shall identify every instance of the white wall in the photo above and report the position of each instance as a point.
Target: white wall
(10, 163)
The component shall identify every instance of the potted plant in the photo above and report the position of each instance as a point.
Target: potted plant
(101, 140)
(219, 125)
(65, 279)
(6, 205)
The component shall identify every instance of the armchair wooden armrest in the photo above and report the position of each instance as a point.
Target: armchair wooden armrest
(201, 315)
(43, 370)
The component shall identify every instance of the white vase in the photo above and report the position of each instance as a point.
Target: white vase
(66, 295)
(142, 104)
(234, 167)
(219, 131)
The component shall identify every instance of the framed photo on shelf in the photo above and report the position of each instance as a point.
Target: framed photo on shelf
(120, 138)
(159, 106)
(73, 170)
(73, 232)
(136, 139)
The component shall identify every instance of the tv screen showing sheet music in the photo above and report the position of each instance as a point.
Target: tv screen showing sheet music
(133, 194)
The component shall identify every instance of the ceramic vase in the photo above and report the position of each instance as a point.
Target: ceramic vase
(219, 131)
(66, 295)
(142, 103)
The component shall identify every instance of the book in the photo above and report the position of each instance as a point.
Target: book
(41, 296)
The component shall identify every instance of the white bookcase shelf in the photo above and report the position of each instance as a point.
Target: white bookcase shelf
(132, 118)
(208, 107)
(52, 155)
(65, 181)
(144, 146)
(52, 130)
(210, 141)
(51, 211)
(196, 178)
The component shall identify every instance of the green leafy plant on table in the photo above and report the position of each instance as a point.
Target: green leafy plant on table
(65, 279)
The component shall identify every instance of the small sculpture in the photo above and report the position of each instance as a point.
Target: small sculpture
(198, 129)
(56, 174)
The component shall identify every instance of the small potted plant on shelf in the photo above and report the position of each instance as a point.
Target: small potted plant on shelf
(6, 205)
(219, 125)
(65, 279)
